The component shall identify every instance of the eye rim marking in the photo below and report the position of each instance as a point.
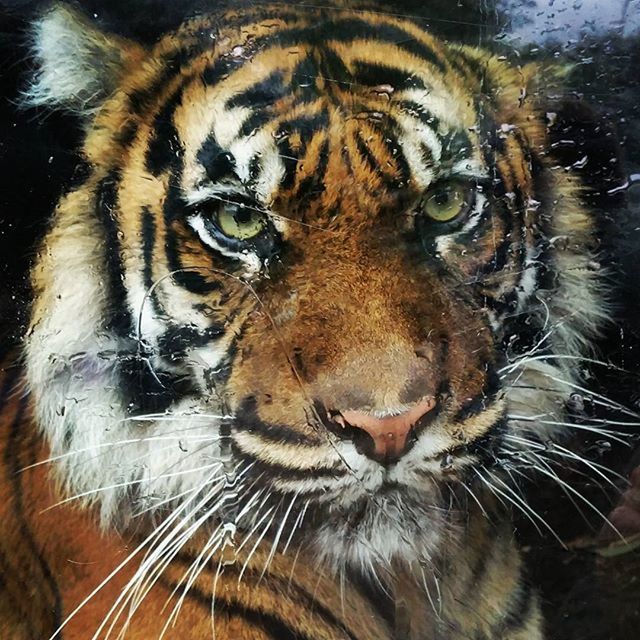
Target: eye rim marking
(253, 250)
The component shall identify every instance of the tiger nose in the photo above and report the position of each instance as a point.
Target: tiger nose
(386, 439)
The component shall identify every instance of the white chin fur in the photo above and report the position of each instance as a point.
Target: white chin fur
(388, 528)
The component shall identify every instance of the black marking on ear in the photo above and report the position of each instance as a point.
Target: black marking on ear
(165, 148)
(106, 206)
(217, 162)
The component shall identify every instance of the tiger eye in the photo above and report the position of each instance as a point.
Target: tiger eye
(445, 202)
(239, 222)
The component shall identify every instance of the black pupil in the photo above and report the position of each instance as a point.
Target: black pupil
(442, 197)
(242, 215)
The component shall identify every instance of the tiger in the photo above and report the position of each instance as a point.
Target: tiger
(317, 289)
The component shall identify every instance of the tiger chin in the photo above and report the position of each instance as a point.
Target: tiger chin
(317, 280)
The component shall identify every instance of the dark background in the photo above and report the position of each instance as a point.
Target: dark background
(585, 596)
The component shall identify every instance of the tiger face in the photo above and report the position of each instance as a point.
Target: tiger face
(299, 285)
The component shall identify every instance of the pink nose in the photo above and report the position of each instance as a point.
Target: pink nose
(390, 434)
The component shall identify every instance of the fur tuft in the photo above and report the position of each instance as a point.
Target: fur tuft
(78, 65)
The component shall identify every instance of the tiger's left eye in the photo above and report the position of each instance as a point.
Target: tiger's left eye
(446, 202)
(239, 222)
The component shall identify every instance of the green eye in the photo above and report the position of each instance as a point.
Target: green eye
(240, 222)
(445, 202)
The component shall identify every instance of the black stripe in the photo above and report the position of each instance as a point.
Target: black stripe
(519, 606)
(12, 462)
(190, 279)
(217, 162)
(307, 600)
(492, 386)
(351, 29)
(290, 162)
(148, 245)
(400, 173)
(247, 420)
(255, 122)
(418, 111)
(221, 69)
(265, 92)
(269, 624)
(120, 321)
(313, 184)
(176, 341)
(276, 471)
(143, 98)
(307, 123)
(10, 378)
(395, 152)
(165, 148)
(366, 154)
(375, 73)
(378, 598)
(456, 146)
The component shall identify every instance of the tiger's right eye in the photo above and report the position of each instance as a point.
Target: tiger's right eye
(239, 222)
(446, 202)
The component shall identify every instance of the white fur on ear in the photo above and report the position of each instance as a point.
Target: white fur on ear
(79, 65)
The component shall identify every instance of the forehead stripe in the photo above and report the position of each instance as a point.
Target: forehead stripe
(165, 148)
(375, 74)
(265, 92)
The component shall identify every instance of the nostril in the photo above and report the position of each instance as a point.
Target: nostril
(384, 439)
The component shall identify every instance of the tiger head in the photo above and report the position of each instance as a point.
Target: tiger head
(311, 278)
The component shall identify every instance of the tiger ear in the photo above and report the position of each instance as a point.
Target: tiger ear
(79, 66)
